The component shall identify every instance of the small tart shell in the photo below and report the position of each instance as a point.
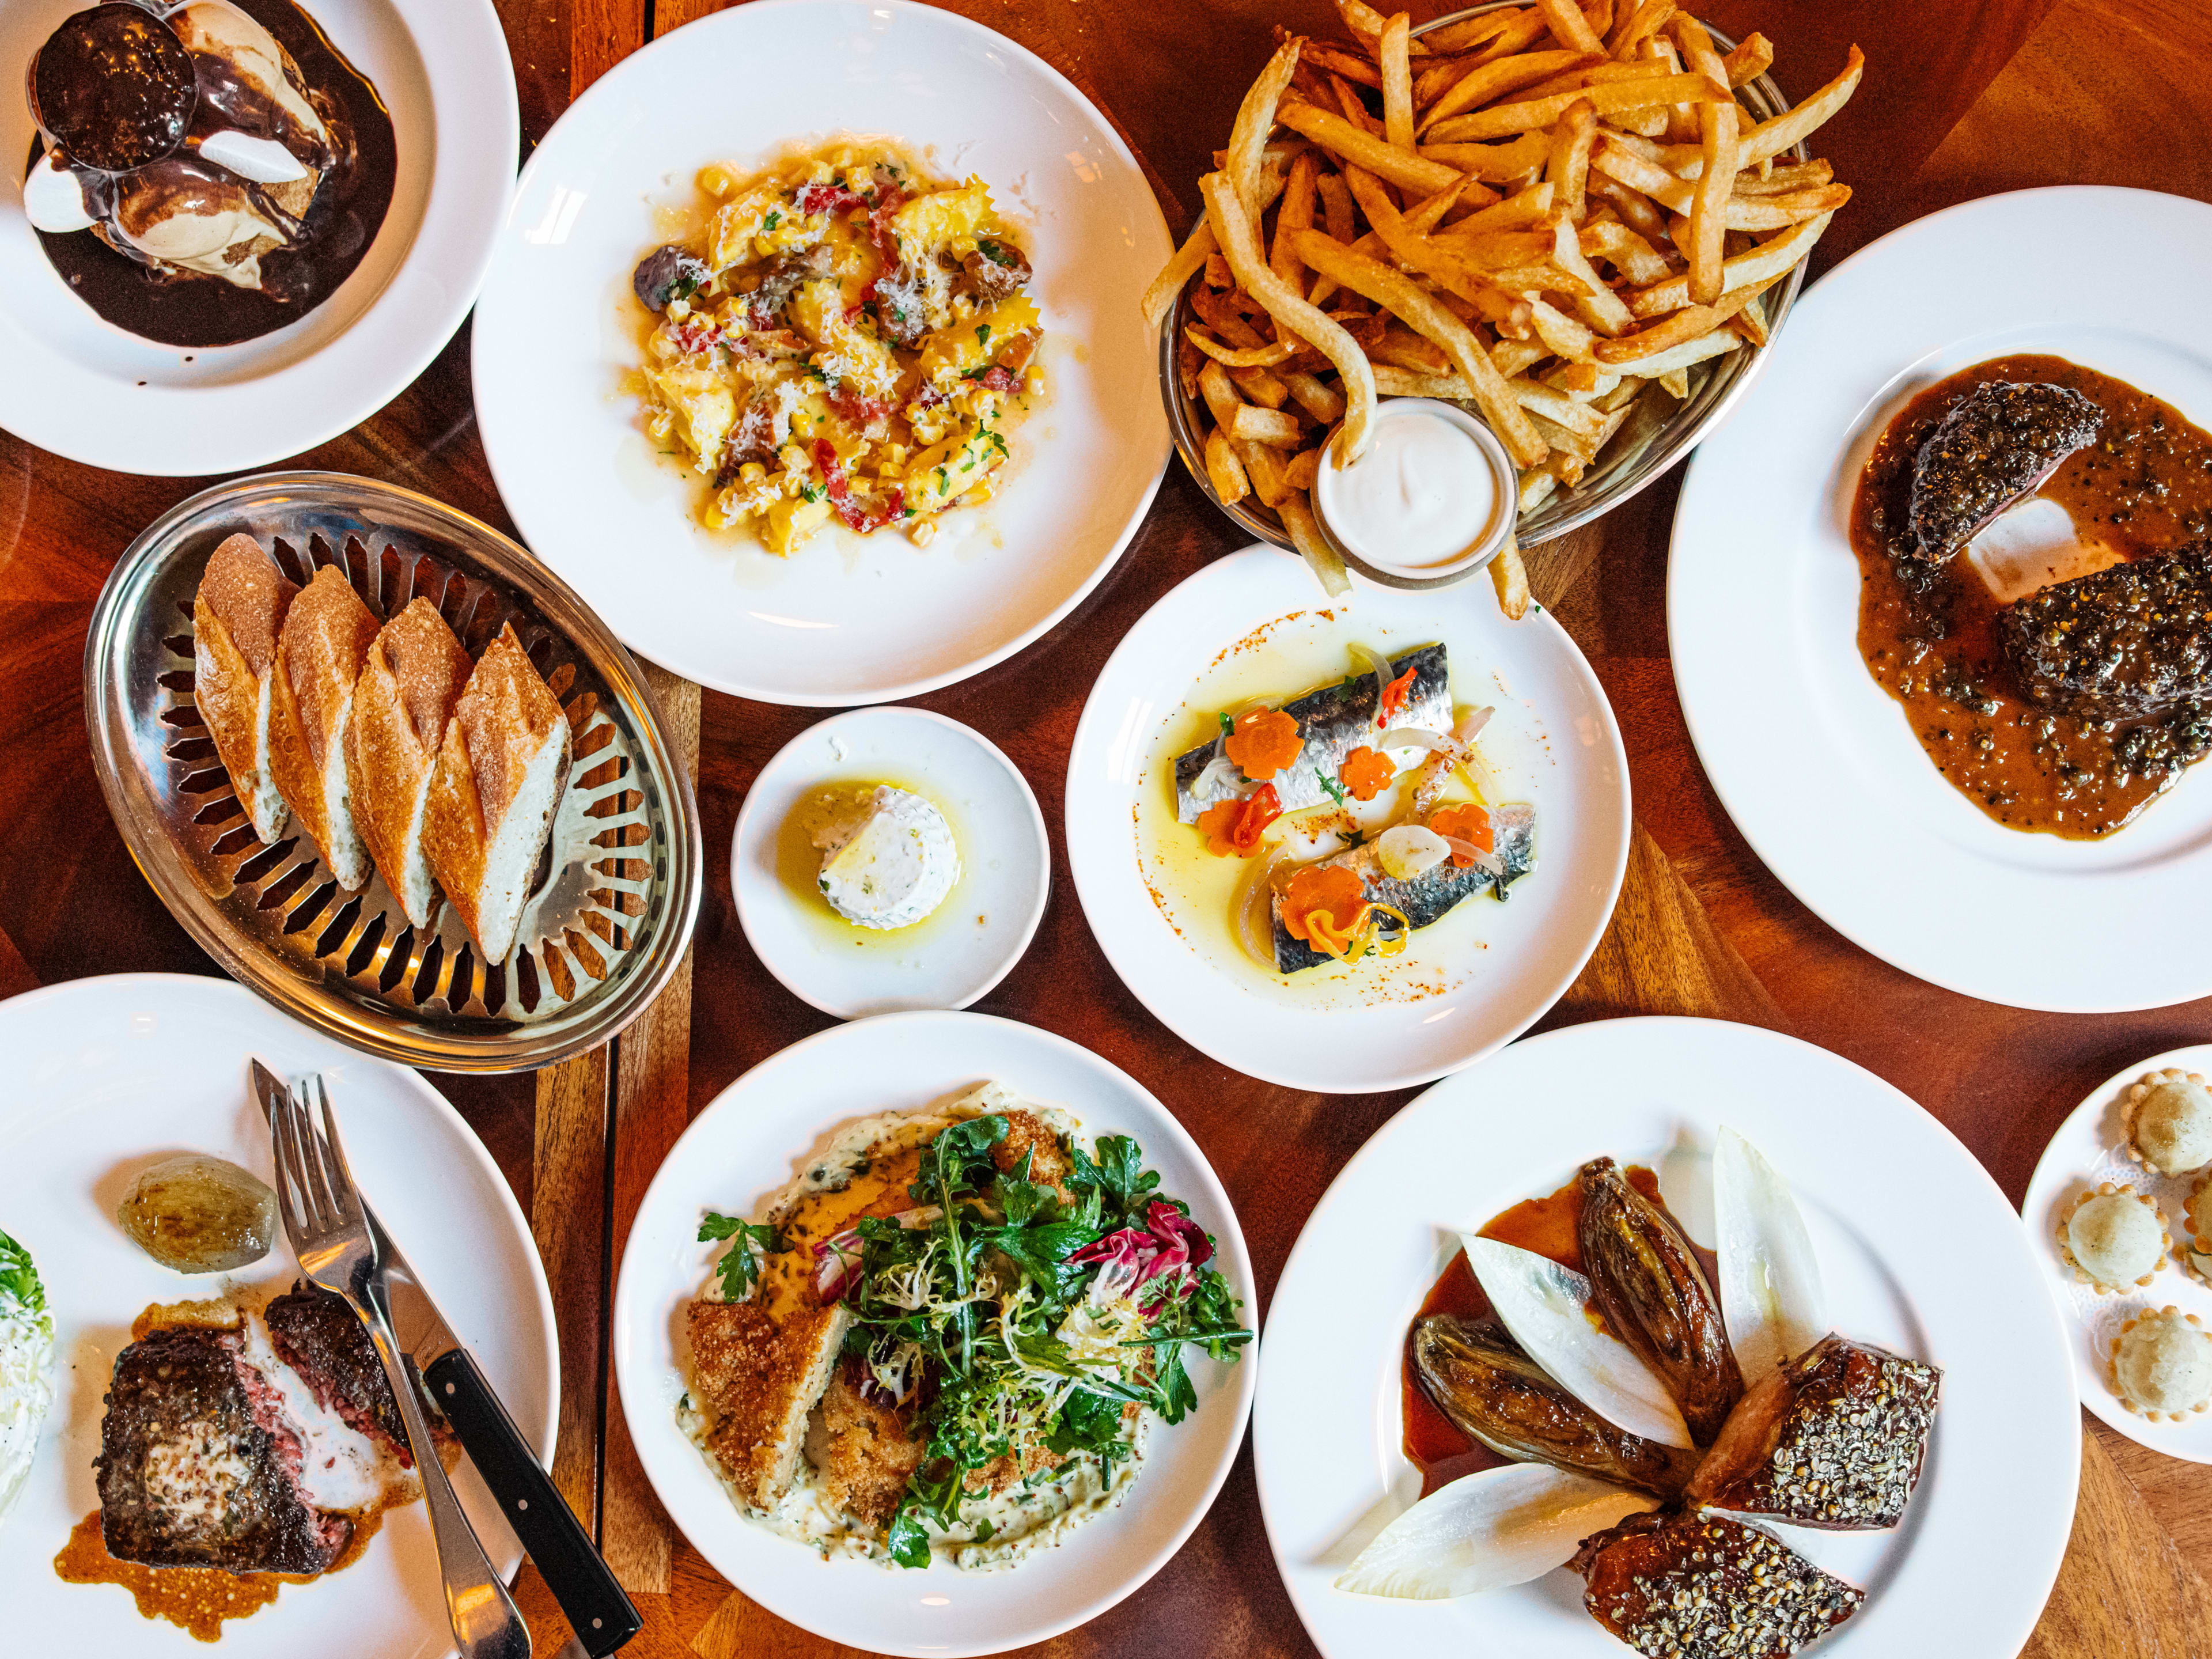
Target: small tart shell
(2106, 1189)
(2113, 1366)
(2137, 1092)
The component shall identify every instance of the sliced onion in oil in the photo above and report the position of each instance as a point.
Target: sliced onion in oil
(1380, 667)
(1255, 920)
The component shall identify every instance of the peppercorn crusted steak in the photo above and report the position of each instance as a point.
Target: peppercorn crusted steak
(1834, 1439)
(321, 1337)
(198, 1468)
(1997, 445)
(1704, 1587)
(2128, 640)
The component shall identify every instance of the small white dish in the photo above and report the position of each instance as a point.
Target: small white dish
(105, 1076)
(845, 619)
(1816, 762)
(953, 956)
(1919, 1251)
(2091, 1147)
(747, 1144)
(1469, 984)
(74, 384)
(1342, 497)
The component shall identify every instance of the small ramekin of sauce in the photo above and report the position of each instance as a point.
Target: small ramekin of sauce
(1432, 501)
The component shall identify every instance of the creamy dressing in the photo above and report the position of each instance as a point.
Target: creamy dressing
(1425, 496)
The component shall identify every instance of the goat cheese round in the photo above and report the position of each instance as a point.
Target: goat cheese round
(891, 863)
(27, 1363)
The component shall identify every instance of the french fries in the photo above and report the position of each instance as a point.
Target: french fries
(1552, 215)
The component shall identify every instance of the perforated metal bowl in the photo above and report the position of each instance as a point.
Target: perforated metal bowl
(616, 891)
(1660, 433)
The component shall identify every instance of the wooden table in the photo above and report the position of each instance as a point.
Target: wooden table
(1961, 100)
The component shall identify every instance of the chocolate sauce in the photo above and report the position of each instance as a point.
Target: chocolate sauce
(338, 227)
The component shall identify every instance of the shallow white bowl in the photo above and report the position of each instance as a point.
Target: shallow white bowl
(845, 619)
(748, 1143)
(1919, 1251)
(1816, 762)
(78, 385)
(1553, 739)
(974, 939)
(106, 1076)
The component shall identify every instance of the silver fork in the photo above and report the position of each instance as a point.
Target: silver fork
(330, 1236)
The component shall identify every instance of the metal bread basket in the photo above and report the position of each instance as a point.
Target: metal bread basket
(1651, 441)
(617, 893)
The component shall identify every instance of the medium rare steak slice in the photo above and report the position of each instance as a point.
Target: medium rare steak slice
(1833, 1439)
(1998, 442)
(1704, 1587)
(317, 1335)
(197, 1467)
(2131, 640)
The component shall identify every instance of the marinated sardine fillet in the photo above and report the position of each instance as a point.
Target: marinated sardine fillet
(1333, 720)
(1998, 443)
(1833, 1439)
(1704, 1587)
(2133, 638)
(197, 1467)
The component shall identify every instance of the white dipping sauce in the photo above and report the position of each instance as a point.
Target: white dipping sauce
(1423, 496)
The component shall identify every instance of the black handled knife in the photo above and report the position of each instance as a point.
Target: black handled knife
(597, 1610)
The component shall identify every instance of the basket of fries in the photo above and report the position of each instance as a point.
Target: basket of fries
(1584, 224)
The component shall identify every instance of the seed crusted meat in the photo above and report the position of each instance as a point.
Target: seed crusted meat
(1704, 1587)
(1997, 443)
(2131, 640)
(1834, 1439)
(198, 1468)
(317, 1335)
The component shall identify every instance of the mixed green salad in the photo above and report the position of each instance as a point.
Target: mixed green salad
(1007, 1316)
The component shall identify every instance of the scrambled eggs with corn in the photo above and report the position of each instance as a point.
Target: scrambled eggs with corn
(846, 338)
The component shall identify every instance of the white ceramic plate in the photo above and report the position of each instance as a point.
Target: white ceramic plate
(748, 1143)
(845, 619)
(1552, 742)
(1919, 1250)
(948, 959)
(2090, 1147)
(1813, 761)
(106, 1076)
(79, 387)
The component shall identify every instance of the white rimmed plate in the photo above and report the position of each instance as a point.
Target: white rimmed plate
(1552, 742)
(951, 957)
(105, 1075)
(1919, 1252)
(748, 1143)
(76, 385)
(845, 619)
(1815, 762)
(2092, 1146)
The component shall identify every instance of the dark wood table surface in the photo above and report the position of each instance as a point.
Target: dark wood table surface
(1961, 99)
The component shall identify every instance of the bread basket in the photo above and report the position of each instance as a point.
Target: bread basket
(616, 891)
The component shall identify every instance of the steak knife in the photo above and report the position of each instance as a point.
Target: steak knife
(602, 1616)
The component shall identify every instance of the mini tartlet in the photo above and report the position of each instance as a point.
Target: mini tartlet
(2114, 1238)
(2169, 1121)
(2162, 1366)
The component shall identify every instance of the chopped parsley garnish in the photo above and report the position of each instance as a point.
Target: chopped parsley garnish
(684, 285)
(740, 1266)
(997, 442)
(982, 334)
(1227, 725)
(812, 492)
(773, 219)
(1330, 786)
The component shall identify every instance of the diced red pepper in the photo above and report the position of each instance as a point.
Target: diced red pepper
(1235, 826)
(1393, 699)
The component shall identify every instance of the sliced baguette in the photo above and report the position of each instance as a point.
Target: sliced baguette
(236, 617)
(500, 770)
(319, 653)
(410, 680)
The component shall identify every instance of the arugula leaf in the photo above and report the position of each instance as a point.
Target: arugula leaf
(740, 1268)
(1332, 789)
(907, 1543)
(1088, 1422)
(1121, 1168)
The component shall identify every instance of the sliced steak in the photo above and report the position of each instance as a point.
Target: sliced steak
(1834, 1439)
(197, 1467)
(1999, 442)
(317, 1335)
(1704, 1587)
(2131, 640)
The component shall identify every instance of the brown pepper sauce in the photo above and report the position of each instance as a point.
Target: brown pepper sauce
(1546, 1226)
(349, 209)
(2144, 487)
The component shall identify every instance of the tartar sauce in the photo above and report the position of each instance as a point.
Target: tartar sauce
(1426, 494)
